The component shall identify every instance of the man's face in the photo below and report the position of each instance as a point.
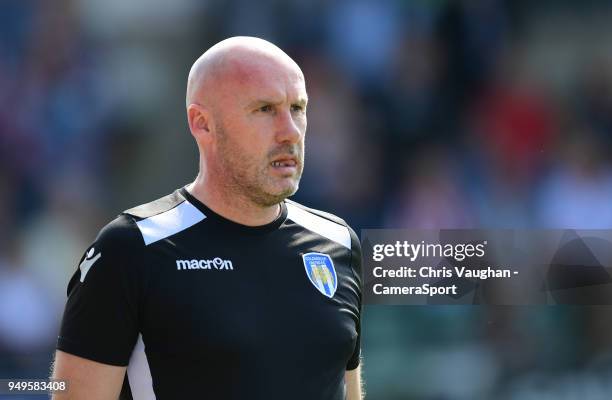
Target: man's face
(260, 123)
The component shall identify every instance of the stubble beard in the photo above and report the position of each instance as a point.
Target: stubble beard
(250, 179)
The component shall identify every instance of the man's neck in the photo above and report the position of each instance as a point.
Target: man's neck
(232, 207)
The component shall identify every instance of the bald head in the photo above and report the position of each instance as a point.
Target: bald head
(246, 108)
(236, 58)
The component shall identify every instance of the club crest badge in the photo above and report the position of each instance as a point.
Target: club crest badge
(321, 272)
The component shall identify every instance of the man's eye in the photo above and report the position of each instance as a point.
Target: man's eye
(266, 108)
(297, 107)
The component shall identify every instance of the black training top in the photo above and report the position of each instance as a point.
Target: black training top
(200, 307)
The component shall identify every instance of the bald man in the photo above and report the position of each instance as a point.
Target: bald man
(224, 289)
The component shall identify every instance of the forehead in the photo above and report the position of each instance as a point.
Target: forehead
(279, 80)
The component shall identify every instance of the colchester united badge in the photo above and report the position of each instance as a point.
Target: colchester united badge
(321, 272)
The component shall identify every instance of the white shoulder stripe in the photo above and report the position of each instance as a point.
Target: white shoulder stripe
(168, 223)
(139, 373)
(324, 227)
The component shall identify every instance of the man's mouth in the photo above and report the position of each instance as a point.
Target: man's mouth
(284, 163)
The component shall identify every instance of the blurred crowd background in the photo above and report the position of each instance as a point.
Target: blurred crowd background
(423, 114)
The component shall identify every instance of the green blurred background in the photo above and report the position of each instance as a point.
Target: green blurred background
(423, 114)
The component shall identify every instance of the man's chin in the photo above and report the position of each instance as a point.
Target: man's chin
(290, 189)
(274, 197)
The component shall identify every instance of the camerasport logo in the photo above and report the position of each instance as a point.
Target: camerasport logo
(216, 263)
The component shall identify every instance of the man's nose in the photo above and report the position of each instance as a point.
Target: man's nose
(287, 129)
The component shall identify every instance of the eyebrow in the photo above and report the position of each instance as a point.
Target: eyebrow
(302, 101)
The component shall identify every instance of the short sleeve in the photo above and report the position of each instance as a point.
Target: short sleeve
(357, 271)
(100, 320)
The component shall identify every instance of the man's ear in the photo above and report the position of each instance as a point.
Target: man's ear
(199, 121)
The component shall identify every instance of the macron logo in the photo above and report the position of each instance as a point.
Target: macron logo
(88, 262)
(215, 263)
